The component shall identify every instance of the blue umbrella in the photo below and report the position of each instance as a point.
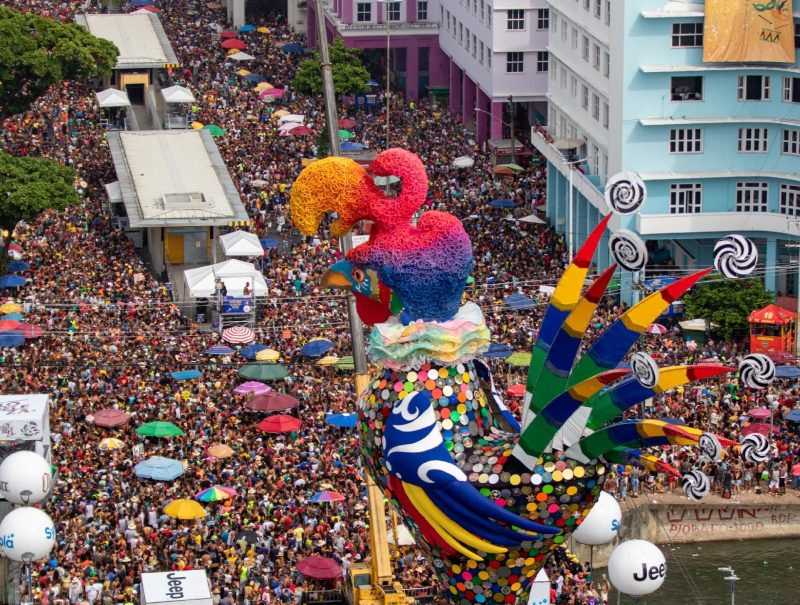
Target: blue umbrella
(519, 302)
(793, 416)
(502, 202)
(11, 339)
(350, 146)
(159, 468)
(342, 421)
(247, 27)
(254, 78)
(315, 348)
(250, 351)
(218, 350)
(17, 266)
(13, 316)
(498, 351)
(270, 241)
(784, 371)
(187, 375)
(293, 48)
(373, 83)
(656, 283)
(142, 2)
(12, 281)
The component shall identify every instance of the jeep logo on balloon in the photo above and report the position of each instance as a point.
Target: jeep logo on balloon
(637, 568)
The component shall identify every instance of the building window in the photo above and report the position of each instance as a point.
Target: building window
(480, 54)
(516, 19)
(543, 19)
(392, 11)
(489, 58)
(606, 64)
(585, 48)
(791, 90)
(584, 96)
(686, 140)
(791, 142)
(598, 8)
(608, 12)
(605, 115)
(363, 12)
(542, 61)
(754, 88)
(686, 88)
(489, 15)
(467, 39)
(595, 107)
(685, 198)
(789, 200)
(751, 197)
(687, 35)
(460, 32)
(515, 62)
(752, 140)
(474, 45)
(422, 10)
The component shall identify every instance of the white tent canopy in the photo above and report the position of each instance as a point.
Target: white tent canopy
(111, 97)
(291, 117)
(202, 281)
(178, 94)
(241, 243)
(287, 126)
(241, 57)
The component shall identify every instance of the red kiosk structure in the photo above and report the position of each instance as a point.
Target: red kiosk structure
(772, 331)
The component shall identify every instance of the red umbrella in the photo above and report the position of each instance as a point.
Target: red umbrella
(271, 92)
(656, 329)
(110, 418)
(301, 130)
(30, 331)
(9, 324)
(15, 247)
(759, 427)
(150, 8)
(319, 568)
(228, 33)
(516, 390)
(279, 423)
(346, 123)
(760, 413)
(234, 43)
(271, 402)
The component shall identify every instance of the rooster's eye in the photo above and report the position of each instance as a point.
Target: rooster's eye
(358, 275)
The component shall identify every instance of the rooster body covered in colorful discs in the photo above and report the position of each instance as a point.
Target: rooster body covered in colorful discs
(487, 497)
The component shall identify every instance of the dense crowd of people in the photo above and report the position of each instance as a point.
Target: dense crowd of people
(113, 335)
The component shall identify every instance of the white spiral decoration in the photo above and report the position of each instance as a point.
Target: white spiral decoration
(625, 193)
(628, 250)
(695, 485)
(755, 448)
(757, 371)
(710, 446)
(735, 256)
(645, 369)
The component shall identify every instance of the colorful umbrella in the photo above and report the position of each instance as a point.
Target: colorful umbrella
(220, 450)
(243, 72)
(346, 134)
(109, 444)
(268, 355)
(271, 92)
(252, 386)
(159, 468)
(17, 266)
(279, 423)
(159, 428)
(10, 308)
(762, 428)
(30, 331)
(186, 374)
(14, 316)
(238, 335)
(328, 360)
(760, 414)
(12, 281)
(9, 324)
(227, 34)
(11, 339)
(292, 48)
(346, 123)
(315, 348)
(299, 131)
(110, 418)
(218, 350)
(263, 30)
(233, 43)
(345, 363)
(498, 351)
(280, 113)
(516, 390)
(319, 568)
(656, 329)
(215, 130)
(343, 421)
(247, 27)
(183, 508)
(215, 493)
(326, 496)
(251, 350)
(520, 359)
(197, 125)
(272, 402)
(263, 371)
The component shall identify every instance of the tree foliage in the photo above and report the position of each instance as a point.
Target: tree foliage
(349, 74)
(727, 303)
(38, 52)
(30, 185)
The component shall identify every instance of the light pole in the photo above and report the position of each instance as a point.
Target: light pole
(386, 6)
(732, 579)
(511, 126)
(504, 123)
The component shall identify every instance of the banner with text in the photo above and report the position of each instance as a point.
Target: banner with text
(746, 31)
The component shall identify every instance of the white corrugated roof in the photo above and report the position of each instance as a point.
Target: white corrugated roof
(136, 36)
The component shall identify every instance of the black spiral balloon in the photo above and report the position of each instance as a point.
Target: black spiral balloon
(625, 193)
(755, 448)
(710, 446)
(756, 371)
(645, 369)
(735, 256)
(695, 485)
(628, 250)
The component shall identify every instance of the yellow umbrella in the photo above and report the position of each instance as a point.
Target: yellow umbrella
(233, 51)
(220, 450)
(279, 113)
(263, 30)
(262, 86)
(268, 355)
(328, 360)
(185, 509)
(10, 308)
(243, 72)
(109, 444)
(197, 125)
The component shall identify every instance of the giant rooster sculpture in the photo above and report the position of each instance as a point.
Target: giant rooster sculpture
(487, 497)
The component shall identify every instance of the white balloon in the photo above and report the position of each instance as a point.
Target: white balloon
(637, 568)
(601, 524)
(26, 534)
(25, 478)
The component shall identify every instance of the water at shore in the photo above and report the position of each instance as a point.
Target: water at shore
(769, 572)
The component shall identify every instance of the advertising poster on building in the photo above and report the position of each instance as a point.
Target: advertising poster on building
(745, 31)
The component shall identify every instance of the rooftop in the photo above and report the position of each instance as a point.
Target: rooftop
(140, 39)
(174, 178)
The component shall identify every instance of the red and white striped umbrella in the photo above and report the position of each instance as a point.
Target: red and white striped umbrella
(656, 329)
(238, 335)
